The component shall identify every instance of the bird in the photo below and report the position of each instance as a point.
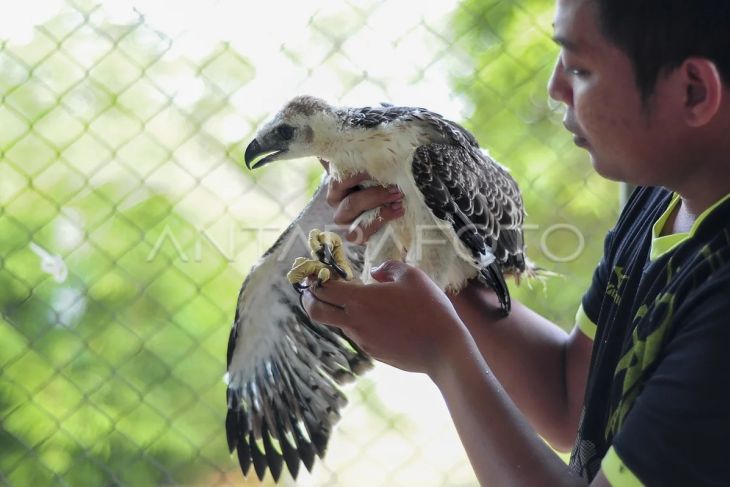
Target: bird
(463, 219)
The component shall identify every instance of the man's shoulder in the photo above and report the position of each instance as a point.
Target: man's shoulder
(711, 279)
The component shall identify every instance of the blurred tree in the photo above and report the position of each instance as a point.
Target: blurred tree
(113, 375)
(112, 366)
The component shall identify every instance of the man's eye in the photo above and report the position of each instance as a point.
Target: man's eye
(286, 132)
(570, 67)
(575, 71)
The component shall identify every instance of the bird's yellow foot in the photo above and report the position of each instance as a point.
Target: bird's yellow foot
(328, 259)
(303, 267)
(327, 248)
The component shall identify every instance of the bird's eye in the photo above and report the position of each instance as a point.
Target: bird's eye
(286, 132)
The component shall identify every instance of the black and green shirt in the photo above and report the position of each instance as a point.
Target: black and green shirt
(657, 404)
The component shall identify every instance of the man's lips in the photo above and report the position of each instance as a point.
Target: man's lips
(578, 139)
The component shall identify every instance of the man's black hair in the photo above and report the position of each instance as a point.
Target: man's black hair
(658, 35)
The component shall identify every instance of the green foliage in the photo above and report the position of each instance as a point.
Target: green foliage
(113, 374)
(94, 368)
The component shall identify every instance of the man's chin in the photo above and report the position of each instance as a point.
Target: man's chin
(605, 169)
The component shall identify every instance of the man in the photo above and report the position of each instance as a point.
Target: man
(646, 84)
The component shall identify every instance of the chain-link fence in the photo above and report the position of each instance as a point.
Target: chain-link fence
(127, 221)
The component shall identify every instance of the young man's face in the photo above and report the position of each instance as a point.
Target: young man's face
(627, 140)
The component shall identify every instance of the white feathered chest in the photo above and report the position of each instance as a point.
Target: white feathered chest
(420, 238)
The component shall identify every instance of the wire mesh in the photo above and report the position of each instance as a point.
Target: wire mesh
(127, 222)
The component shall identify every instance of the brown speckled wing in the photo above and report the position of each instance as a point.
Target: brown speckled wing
(464, 187)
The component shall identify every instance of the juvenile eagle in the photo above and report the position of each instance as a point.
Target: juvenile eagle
(463, 219)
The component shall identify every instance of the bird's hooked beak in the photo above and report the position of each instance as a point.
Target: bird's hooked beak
(257, 156)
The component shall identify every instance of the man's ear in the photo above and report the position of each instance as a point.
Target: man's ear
(703, 90)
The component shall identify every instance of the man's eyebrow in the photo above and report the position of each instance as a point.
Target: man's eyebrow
(565, 43)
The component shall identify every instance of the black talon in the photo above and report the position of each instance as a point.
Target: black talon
(324, 254)
(328, 259)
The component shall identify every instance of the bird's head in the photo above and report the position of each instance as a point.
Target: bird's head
(300, 129)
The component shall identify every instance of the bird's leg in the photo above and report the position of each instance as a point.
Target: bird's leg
(328, 249)
(365, 219)
(303, 267)
(383, 245)
(328, 255)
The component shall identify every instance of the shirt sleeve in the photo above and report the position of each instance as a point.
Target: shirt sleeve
(585, 324)
(678, 430)
(587, 315)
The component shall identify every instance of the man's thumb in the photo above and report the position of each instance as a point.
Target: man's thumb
(389, 271)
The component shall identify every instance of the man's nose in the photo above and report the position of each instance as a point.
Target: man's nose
(559, 88)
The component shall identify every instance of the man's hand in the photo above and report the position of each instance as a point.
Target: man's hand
(350, 200)
(404, 319)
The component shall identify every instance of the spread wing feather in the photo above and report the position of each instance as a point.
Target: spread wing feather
(283, 368)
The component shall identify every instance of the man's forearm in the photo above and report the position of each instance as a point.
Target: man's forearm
(541, 367)
(502, 447)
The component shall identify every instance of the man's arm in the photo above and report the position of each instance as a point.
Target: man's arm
(542, 368)
(502, 448)
(407, 321)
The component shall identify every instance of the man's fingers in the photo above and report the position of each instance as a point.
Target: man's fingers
(320, 311)
(328, 303)
(336, 291)
(388, 212)
(337, 190)
(390, 270)
(366, 199)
